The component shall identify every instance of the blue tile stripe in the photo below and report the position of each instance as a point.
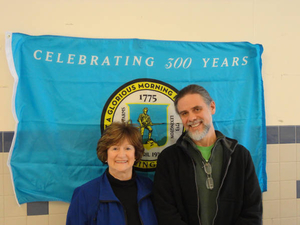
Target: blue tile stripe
(37, 208)
(275, 135)
(287, 134)
(283, 134)
(272, 135)
(1, 141)
(8, 137)
(298, 188)
(297, 134)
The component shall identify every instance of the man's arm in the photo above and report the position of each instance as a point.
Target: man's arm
(163, 195)
(252, 203)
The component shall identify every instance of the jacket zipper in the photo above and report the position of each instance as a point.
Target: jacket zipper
(212, 152)
(220, 190)
(96, 214)
(125, 215)
(139, 208)
(198, 202)
(194, 167)
(229, 162)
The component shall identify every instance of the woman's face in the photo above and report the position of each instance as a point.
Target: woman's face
(120, 159)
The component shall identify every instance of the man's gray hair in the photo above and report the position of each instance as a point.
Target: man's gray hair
(193, 89)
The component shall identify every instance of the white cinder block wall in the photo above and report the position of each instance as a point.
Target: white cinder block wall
(272, 23)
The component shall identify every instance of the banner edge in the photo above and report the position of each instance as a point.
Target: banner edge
(11, 65)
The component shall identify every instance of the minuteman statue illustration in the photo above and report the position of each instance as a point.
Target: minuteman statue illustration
(145, 122)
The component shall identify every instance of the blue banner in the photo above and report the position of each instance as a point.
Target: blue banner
(68, 90)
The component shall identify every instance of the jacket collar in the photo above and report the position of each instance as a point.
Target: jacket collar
(228, 143)
(144, 188)
(106, 192)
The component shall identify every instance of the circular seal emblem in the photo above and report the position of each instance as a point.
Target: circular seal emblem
(149, 104)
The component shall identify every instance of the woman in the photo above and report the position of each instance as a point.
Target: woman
(119, 196)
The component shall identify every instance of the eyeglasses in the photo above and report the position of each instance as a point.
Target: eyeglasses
(209, 179)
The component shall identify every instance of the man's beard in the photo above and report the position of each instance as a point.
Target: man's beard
(198, 135)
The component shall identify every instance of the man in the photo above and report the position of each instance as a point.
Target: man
(205, 178)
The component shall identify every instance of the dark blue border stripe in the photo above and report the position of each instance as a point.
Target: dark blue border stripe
(275, 135)
(1, 138)
(272, 135)
(8, 137)
(297, 134)
(37, 208)
(287, 134)
(298, 188)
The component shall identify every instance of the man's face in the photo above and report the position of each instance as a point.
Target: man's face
(196, 115)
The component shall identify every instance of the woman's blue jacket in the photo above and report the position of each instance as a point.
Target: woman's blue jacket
(95, 203)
